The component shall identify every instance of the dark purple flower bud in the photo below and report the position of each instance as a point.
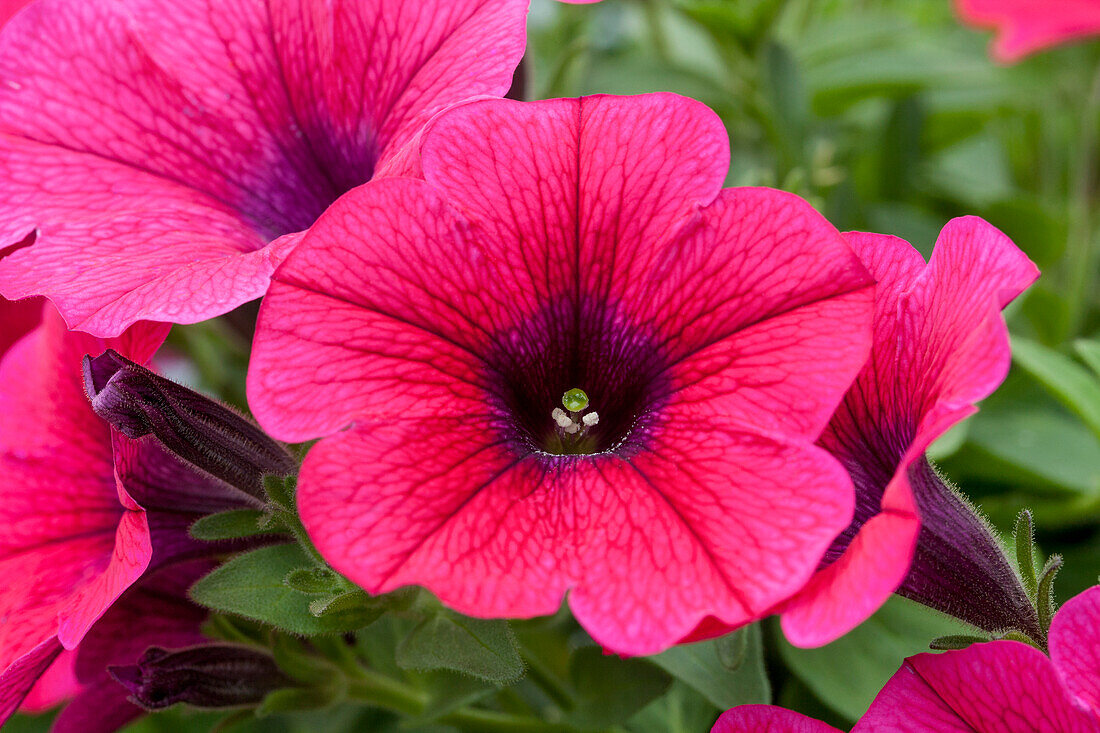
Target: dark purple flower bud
(201, 431)
(206, 676)
(960, 567)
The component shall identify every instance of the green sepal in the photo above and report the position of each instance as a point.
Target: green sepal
(1044, 596)
(280, 491)
(955, 641)
(231, 525)
(1024, 536)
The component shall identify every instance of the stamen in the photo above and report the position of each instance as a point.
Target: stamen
(590, 419)
(561, 418)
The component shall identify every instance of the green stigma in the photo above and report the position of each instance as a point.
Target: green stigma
(575, 400)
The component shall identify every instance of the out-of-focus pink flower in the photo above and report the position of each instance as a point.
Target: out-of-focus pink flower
(995, 687)
(571, 243)
(155, 153)
(940, 346)
(84, 510)
(1026, 26)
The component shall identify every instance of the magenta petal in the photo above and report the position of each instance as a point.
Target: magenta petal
(16, 319)
(995, 687)
(1075, 646)
(325, 334)
(20, 675)
(56, 685)
(8, 8)
(600, 182)
(767, 719)
(1026, 26)
(147, 145)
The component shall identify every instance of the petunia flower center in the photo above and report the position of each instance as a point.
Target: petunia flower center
(535, 369)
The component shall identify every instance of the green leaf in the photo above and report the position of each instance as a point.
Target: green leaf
(609, 690)
(481, 648)
(714, 668)
(680, 710)
(1073, 385)
(847, 674)
(251, 585)
(1050, 447)
(231, 525)
(1089, 351)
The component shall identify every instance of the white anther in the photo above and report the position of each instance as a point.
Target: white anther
(563, 420)
(571, 428)
(590, 419)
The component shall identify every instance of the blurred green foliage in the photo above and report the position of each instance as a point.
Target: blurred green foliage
(889, 116)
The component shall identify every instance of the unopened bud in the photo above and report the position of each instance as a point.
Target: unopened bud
(207, 676)
(203, 432)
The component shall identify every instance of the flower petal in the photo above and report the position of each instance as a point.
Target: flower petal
(20, 676)
(767, 719)
(1075, 646)
(995, 687)
(577, 193)
(386, 328)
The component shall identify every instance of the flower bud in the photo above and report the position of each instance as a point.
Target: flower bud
(206, 676)
(203, 432)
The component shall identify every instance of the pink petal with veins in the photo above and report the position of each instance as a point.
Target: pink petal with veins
(995, 687)
(767, 719)
(1075, 646)
(158, 160)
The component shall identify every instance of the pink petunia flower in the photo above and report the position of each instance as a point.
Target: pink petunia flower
(156, 153)
(940, 346)
(85, 511)
(995, 687)
(557, 245)
(1026, 26)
